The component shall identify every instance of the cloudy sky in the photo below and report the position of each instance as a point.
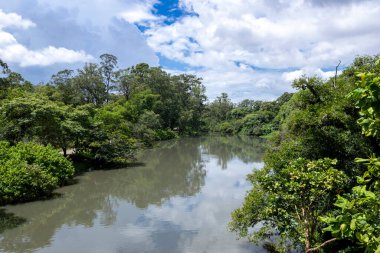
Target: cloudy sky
(248, 48)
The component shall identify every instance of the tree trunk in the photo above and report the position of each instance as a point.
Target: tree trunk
(307, 240)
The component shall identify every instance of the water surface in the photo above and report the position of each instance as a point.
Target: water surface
(178, 200)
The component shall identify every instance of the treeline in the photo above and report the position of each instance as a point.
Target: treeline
(100, 110)
(319, 190)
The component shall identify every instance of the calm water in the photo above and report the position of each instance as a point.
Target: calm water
(178, 200)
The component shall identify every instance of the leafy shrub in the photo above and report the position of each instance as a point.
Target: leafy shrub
(47, 158)
(23, 182)
(226, 127)
(29, 171)
(165, 134)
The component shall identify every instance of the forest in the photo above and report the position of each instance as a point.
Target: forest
(318, 191)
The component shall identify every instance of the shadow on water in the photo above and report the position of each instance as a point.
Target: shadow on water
(83, 166)
(9, 220)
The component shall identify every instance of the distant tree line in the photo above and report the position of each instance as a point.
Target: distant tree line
(248, 117)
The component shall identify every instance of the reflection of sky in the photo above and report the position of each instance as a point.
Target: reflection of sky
(208, 212)
(181, 224)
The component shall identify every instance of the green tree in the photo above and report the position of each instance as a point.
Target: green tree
(69, 93)
(316, 129)
(218, 110)
(289, 202)
(309, 83)
(190, 98)
(12, 83)
(36, 118)
(90, 84)
(108, 135)
(108, 65)
(126, 82)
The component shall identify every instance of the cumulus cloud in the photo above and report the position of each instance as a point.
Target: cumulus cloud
(17, 53)
(13, 52)
(14, 20)
(292, 75)
(7, 39)
(64, 34)
(139, 13)
(274, 35)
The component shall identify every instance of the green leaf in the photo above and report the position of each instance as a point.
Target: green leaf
(353, 224)
(343, 203)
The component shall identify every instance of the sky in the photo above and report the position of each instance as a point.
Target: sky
(247, 48)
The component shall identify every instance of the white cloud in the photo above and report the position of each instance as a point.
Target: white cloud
(100, 13)
(6, 38)
(12, 51)
(14, 20)
(292, 75)
(273, 34)
(17, 53)
(138, 13)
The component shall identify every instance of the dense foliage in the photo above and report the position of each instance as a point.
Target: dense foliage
(29, 171)
(358, 215)
(312, 166)
(101, 105)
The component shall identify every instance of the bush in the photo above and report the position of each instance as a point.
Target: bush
(165, 134)
(30, 171)
(48, 158)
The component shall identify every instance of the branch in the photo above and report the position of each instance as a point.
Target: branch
(320, 246)
(336, 72)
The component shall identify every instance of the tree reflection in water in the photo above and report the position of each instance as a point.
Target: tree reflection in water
(225, 148)
(9, 220)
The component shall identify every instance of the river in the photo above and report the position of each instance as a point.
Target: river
(178, 198)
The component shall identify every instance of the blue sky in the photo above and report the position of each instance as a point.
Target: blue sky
(247, 48)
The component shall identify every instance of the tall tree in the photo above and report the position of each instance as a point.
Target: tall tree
(69, 93)
(90, 83)
(108, 65)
